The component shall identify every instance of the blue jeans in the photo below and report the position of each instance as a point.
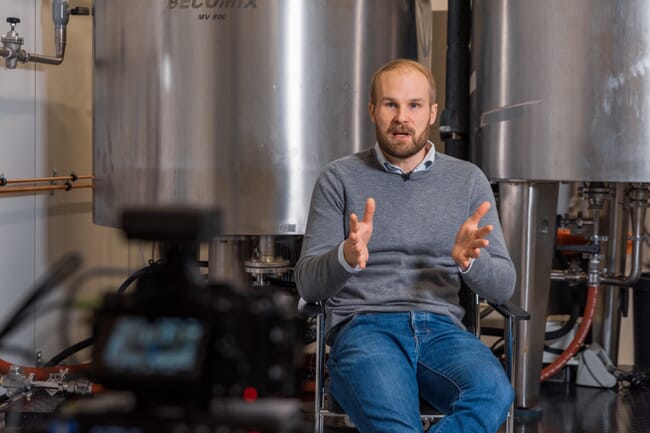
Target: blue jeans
(381, 362)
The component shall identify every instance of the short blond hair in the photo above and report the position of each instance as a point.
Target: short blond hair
(402, 64)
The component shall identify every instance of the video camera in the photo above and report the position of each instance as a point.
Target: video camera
(179, 340)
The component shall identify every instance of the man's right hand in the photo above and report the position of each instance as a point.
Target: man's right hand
(355, 247)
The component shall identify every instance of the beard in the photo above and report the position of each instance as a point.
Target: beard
(401, 149)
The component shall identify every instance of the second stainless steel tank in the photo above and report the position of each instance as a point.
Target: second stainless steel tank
(236, 104)
(561, 89)
(560, 92)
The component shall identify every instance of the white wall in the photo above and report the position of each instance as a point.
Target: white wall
(18, 146)
(46, 124)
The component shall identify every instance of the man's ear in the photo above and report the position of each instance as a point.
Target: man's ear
(434, 113)
(371, 110)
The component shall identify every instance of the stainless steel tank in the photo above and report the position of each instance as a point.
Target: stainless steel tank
(561, 90)
(236, 104)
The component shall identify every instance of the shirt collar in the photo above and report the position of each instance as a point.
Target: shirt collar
(426, 163)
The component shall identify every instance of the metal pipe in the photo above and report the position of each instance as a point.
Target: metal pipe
(72, 178)
(528, 216)
(25, 57)
(454, 121)
(424, 31)
(12, 42)
(593, 268)
(568, 277)
(23, 189)
(637, 214)
(267, 248)
(607, 318)
(638, 205)
(225, 258)
(60, 17)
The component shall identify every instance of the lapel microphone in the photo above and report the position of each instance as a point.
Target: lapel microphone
(406, 176)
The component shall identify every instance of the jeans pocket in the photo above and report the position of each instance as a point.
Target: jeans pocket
(338, 331)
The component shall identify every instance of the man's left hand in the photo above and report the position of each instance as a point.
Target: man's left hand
(471, 238)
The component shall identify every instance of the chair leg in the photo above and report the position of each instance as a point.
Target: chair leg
(510, 421)
(509, 334)
(320, 359)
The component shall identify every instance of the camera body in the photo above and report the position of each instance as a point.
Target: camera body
(177, 339)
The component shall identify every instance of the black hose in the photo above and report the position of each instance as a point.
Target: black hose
(136, 275)
(71, 350)
(66, 353)
(568, 325)
(56, 274)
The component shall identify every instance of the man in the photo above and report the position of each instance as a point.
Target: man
(391, 279)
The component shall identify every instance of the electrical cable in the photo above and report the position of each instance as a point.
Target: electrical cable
(567, 326)
(83, 344)
(136, 275)
(69, 351)
(486, 312)
(47, 308)
(61, 269)
(632, 379)
(75, 287)
(553, 350)
(57, 273)
(498, 348)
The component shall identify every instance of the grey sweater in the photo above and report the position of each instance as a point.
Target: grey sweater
(414, 228)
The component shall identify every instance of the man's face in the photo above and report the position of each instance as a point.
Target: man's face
(403, 114)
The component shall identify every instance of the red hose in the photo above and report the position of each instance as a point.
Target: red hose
(579, 338)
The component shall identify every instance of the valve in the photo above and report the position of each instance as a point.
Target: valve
(12, 42)
(13, 21)
(17, 382)
(80, 10)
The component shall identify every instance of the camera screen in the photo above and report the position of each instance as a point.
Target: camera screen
(154, 346)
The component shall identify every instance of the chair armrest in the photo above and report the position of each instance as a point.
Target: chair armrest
(511, 311)
(309, 309)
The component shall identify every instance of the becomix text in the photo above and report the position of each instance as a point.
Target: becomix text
(196, 4)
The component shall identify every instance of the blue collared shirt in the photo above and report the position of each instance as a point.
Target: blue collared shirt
(426, 163)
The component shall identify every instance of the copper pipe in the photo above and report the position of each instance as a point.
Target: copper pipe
(23, 189)
(48, 179)
(42, 373)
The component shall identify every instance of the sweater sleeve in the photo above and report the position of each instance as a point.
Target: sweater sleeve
(318, 273)
(493, 274)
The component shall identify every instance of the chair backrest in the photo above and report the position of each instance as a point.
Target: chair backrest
(471, 303)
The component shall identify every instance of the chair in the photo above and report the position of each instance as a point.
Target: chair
(429, 416)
